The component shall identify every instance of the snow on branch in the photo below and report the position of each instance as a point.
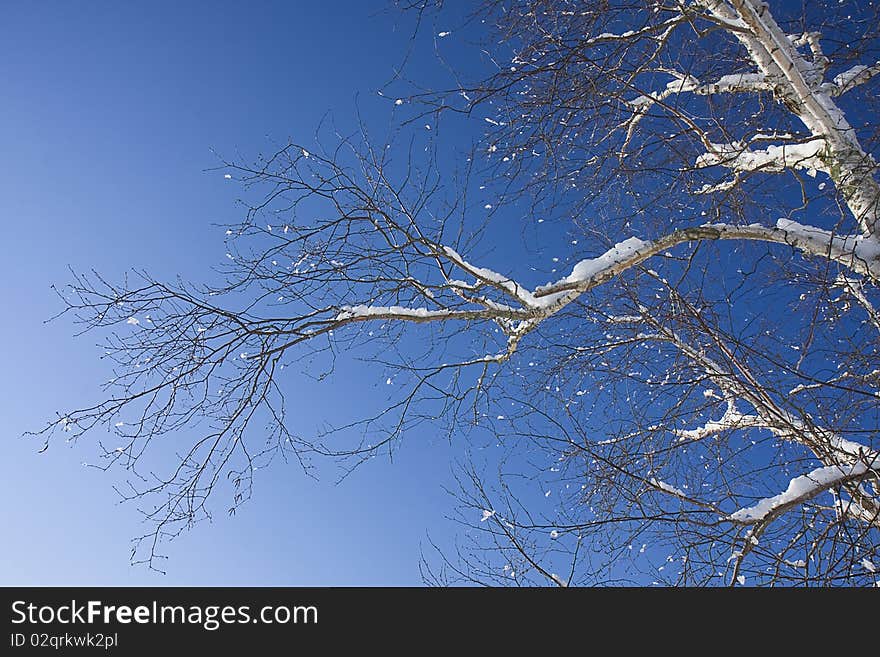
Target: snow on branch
(826, 445)
(854, 510)
(680, 84)
(858, 253)
(795, 81)
(650, 30)
(853, 77)
(855, 251)
(732, 83)
(737, 157)
(686, 83)
(389, 312)
(732, 419)
(804, 488)
(490, 277)
(667, 488)
(861, 254)
(587, 269)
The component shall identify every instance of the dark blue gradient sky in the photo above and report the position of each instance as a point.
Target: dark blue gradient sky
(108, 116)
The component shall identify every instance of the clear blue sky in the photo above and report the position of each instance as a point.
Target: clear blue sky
(108, 114)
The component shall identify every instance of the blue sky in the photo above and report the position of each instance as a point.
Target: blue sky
(109, 115)
(109, 120)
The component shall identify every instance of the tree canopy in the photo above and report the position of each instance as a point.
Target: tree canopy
(697, 378)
